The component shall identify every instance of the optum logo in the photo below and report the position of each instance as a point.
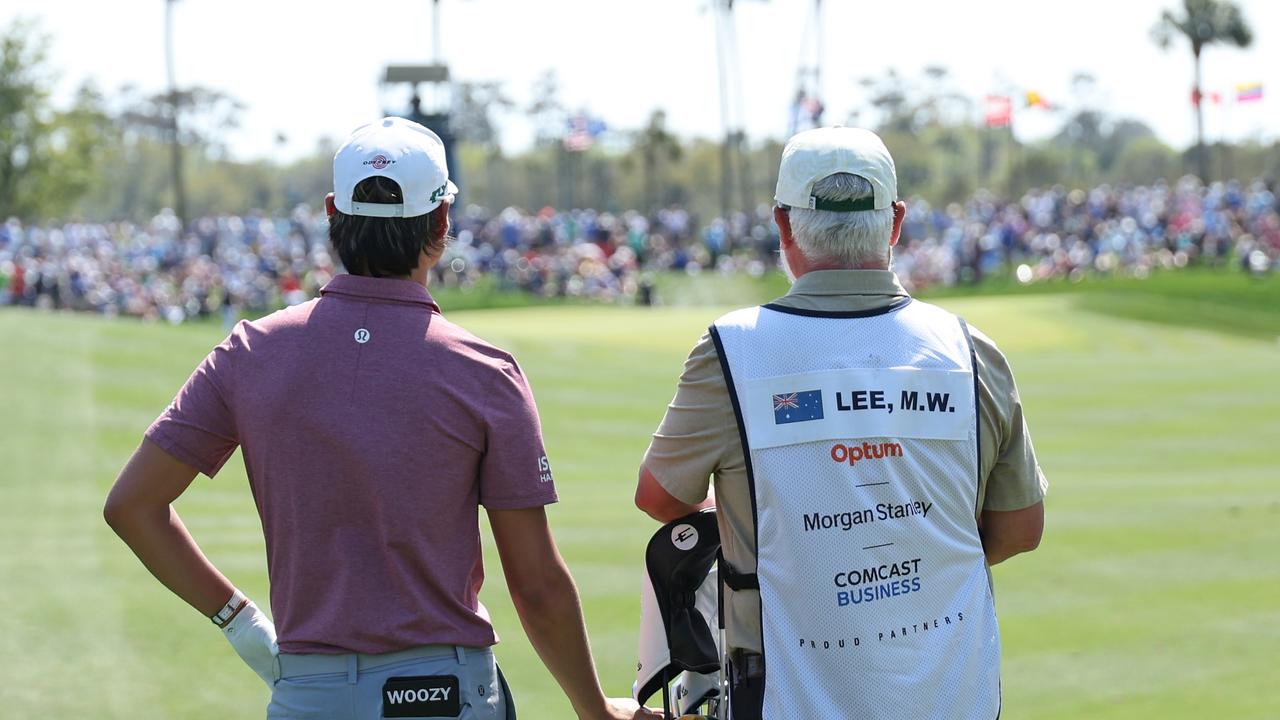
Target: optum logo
(852, 454)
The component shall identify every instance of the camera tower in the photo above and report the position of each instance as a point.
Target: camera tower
(430, 94)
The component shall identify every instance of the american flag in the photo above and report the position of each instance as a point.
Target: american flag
(582, 132)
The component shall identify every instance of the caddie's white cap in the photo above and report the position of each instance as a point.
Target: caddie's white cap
(815, 154)
(398, 149)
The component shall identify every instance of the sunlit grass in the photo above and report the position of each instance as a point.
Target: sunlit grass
(1156, 592)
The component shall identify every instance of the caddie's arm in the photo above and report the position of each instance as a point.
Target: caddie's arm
(698, 437)
(1008, 533)
(1012, 518)
(546, 599)
(661, 505)
(139, 508)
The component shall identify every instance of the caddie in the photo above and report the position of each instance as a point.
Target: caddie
(870, 460)
(373, 429)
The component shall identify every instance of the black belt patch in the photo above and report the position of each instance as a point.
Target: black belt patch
(421, 696)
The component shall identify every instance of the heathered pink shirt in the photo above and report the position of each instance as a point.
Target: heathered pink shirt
(372, 428)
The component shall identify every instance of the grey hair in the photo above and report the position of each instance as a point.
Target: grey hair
(844, 239)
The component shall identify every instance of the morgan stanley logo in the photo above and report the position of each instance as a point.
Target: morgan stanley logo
(797, 407)
(379, 162)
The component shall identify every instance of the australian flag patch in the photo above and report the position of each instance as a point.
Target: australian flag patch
(797, 407)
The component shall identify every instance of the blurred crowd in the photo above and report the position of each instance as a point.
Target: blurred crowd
(1061, 233)
(230, 265)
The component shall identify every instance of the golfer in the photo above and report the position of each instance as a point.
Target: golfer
(372, 430)
(870, 460)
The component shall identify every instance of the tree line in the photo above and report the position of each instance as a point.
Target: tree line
(106, 156)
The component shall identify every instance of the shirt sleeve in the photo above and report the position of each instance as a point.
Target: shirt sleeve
(698, 436)
(514, 471)
(199, 426)
(1013, 477)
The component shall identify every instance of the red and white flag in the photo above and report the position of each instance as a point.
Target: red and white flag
(998, 111)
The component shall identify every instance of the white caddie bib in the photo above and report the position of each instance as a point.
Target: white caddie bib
(861, 437)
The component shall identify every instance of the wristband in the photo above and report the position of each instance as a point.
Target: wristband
(230, 609)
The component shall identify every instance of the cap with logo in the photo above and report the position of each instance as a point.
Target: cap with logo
(400, 150)
(815, 154)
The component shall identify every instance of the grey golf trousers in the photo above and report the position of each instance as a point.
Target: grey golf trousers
(351, 686)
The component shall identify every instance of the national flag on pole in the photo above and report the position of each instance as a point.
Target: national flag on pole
(1212, 97)
(997, 111)
(1249, 92)
(806, 112)
(1035, 99)
(582, 132)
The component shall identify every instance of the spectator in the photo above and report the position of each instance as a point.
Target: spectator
(229, 265)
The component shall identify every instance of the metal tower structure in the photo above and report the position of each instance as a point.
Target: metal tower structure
(735, 171)
(808, 107)
(433, 107)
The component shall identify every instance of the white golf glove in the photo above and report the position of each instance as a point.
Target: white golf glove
(253, 636)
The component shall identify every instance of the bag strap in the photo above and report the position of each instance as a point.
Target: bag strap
(735, 580)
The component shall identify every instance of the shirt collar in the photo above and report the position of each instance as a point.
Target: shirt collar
(848, 282)
(380, 289)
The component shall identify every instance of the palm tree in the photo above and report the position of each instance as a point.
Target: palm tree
(1203, 23)
(657, 147)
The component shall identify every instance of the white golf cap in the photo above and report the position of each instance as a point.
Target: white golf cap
(815, 154)
(398, 149)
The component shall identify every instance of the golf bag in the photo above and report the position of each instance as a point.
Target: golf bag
(680, 639)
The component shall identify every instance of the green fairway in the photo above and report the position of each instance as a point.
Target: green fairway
(1155, 593)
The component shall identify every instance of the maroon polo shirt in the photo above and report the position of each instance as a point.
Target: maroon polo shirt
(372, 428)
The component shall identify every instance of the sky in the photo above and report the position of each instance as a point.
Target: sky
(310, 69)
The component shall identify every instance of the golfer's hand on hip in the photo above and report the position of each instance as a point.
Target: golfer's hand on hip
(253, 636)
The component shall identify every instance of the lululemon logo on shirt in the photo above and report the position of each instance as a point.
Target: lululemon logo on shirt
(362, 336)
(684, 536)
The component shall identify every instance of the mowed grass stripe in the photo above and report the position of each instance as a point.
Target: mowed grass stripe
(1154, 593)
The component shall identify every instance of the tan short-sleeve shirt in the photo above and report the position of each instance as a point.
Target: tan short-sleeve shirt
(698, 438)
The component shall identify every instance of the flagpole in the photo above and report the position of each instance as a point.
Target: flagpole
(1228, 169)
(1009, 149)
(984, 156)
(175, 139)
